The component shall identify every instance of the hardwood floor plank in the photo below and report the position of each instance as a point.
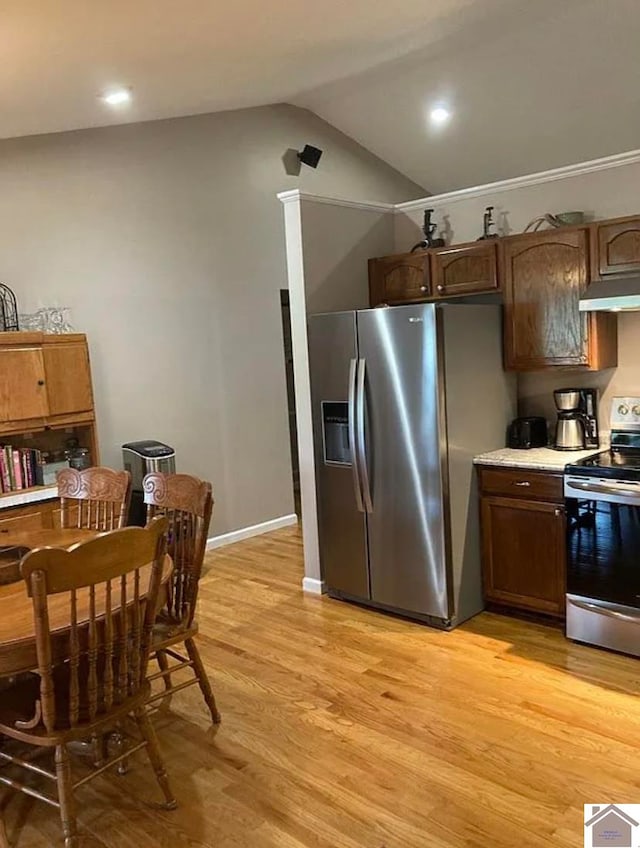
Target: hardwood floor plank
(346, 728)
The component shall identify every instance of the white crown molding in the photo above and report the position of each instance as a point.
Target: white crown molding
(248, 532)
(295, 196)
(604, 164)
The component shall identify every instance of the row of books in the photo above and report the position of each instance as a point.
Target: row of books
(20, 468)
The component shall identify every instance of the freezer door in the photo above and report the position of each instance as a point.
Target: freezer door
(405, 455)
(341, 516)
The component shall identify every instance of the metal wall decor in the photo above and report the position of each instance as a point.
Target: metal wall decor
(428, 230)
(488, 224)
(8, 309)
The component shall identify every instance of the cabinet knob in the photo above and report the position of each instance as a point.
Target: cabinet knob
(423, 289)
(41, 382)
(522, 483)
(558, 511)
(440, 289)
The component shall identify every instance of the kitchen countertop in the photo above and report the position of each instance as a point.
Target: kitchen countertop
(27, 496)
(544, 459)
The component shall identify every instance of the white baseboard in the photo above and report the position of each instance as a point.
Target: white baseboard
(248, 532)
(313, 586)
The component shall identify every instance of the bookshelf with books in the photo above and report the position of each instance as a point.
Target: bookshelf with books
(46, 408)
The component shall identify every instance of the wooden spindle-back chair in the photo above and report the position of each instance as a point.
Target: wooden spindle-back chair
(93, 673)
(95, 498)
(187, 503)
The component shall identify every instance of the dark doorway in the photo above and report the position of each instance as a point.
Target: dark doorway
(291, 396)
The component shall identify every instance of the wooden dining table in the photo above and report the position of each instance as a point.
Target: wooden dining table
(17, 627)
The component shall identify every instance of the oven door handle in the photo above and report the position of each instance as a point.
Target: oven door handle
(619, 616)
(599, 489)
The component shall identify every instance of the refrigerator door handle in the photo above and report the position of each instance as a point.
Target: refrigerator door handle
(360, 437)
(357, 488)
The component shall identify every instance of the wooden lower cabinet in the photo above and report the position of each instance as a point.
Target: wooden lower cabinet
(524, 547)
(36, 516)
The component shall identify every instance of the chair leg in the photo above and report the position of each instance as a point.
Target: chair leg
(65, 796)
(4, 840)
(100, 745)
(155, 757)
(163, 662)
(119, 741)
(203, 680)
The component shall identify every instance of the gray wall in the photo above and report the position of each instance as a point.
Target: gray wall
(166, 239)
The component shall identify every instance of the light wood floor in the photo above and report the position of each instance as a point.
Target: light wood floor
(343, 728)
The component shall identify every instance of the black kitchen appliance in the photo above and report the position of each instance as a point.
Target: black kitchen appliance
(577, 422)
(603, 538)
(526, 433)
(140, 458)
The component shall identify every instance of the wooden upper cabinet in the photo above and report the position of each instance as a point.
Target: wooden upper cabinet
(402, 278)
(68, 377)
(23, 394)
(45, 380)
(544, 275)
(616, 247)
(465, 269)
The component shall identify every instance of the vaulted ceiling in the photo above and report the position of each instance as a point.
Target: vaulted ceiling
(532, 84)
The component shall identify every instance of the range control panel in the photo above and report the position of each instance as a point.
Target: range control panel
(625, 413)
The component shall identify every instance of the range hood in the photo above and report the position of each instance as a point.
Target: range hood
(611, 295)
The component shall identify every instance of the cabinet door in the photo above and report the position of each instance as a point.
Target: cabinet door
(524, 554)
(617, 246)
(544, 275)
(23, 393)
(68, 377)
(467, 269)
(399, 279)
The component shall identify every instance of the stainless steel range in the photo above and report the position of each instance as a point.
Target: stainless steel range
(603, 509)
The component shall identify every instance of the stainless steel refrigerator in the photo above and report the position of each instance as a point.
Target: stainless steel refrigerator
(403, 399)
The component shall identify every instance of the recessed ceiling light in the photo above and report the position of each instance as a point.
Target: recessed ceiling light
(439, 115)
(116, 96)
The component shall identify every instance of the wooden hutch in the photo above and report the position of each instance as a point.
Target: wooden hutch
(46, 398)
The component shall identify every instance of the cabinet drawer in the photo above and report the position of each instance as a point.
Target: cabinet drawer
(20, 523)
(21, 519)
(73, 517)
(522, 482)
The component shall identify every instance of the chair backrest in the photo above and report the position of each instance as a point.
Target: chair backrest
(187, 502)
(106, 592)
(101, 497)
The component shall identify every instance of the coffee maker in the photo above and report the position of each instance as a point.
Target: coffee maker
(577, 424)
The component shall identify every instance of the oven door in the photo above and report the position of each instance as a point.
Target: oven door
(603, 562)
